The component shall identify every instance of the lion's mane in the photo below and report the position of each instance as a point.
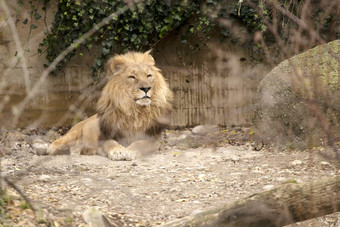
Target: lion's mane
(117, 113)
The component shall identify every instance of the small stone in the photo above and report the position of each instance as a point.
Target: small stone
(87, 180)
(235, 159)
(6, 151)
(325, 163)
(201, 168)
(281, 179)
(268, 187)
(38, 140)
(296, 162)
(44, 178)
(196, 212)
(182, 137)
(201, 176)
(40, 148)
(134, 164)
(172, 190)
(204, 129)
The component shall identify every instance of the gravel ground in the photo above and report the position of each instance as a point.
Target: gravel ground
(195, 169)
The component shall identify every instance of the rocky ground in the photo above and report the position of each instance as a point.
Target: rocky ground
(195, 169)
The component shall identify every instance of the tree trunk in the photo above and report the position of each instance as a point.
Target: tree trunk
(281, 206)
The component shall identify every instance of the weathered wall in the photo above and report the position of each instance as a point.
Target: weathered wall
(57, 93)
(215, 85)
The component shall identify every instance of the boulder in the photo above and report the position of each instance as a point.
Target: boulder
(298, 102)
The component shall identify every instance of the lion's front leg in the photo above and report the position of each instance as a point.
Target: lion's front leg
(117, 152)
(63, 144)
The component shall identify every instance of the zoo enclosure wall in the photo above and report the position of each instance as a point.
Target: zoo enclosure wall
(215, 85)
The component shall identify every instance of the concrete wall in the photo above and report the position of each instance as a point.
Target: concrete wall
(214, 85)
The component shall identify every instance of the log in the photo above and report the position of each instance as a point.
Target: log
(281, 206)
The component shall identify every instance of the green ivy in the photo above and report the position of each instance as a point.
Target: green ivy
(143, 24)
(140, 27)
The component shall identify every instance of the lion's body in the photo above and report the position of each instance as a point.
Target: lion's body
(129, 111)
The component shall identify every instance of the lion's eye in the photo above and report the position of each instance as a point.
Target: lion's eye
(132, 77)
(149, 75)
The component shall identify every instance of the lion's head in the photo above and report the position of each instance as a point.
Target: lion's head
(136, 94)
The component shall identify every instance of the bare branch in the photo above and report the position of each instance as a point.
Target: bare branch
(18, 109)
(16, 188)
(21, 53)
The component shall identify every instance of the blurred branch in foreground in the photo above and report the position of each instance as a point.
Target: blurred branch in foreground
(281, 206)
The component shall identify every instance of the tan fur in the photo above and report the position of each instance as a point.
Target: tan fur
(129, 111)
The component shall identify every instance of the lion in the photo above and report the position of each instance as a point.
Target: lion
(131, 112)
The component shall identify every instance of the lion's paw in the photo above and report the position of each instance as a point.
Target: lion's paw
(54, 150)
(122, 154)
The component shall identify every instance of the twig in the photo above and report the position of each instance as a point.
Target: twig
(18, 45)
(18, 109)
(297, 20)
(11, 184)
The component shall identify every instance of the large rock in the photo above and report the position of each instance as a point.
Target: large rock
(299, 100)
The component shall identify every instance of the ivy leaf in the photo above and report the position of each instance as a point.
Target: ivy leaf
(98, 62)
(133, 38)
(37, 16)
(105, 51)
(177, 17)
(25, 21)
(33, 26)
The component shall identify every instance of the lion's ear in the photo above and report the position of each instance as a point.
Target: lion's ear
(148, 58)
(148, 52)
(115, 63)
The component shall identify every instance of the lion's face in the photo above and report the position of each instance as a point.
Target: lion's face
(136, 95)
(140, 81)
(135, 82)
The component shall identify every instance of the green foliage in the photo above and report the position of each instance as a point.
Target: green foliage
(34, 13)
(138, 28)
(146, 22)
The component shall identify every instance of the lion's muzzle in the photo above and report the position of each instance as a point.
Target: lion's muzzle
(145, 99)
(145, 89)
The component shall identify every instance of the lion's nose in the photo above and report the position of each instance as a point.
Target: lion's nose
(145, 89)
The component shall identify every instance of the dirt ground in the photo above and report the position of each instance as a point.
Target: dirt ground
(191, 172)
